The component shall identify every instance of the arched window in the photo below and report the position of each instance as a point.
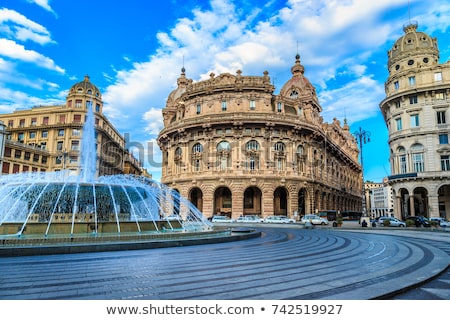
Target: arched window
(178, 152)
(223, 146)
(294, 94)
(417, 157)
(280, 157)
(197, 148)
(197, 151)
(279, 147)
(252, 145)
(223, 155)
(402, 162)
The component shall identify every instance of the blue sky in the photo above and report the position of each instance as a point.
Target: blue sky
(133, 51)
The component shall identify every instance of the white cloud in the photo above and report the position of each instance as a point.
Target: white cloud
(12, 50)
(43, 4)
(14, 25)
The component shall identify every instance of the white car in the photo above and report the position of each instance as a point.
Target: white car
(442, 222)
(222, 219)
(278, 219)
(393, 222)
(314, 219)
(249, 218)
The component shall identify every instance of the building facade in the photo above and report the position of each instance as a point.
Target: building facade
(233, 147)
(380, 199)
(48, 138)
(416, 111)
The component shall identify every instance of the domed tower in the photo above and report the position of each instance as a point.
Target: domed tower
(84, 92)
(415, 110)
(233, 147)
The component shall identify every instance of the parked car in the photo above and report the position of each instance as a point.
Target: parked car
(442, 222)
(278, 219)
(393, 222)
(250, 218)
(419, 221)
(222, 219)
(314, 219)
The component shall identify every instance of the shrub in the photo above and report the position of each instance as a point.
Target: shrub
(386, 223)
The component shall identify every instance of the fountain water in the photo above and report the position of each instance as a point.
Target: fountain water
(60, 205)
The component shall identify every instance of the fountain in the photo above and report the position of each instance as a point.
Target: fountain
(59, 205)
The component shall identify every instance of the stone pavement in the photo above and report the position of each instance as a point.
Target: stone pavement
(286, 262)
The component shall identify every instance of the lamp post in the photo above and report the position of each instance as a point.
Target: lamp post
(362, 136)
(2, 144)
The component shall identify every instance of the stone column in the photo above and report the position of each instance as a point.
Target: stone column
(411, 206)
(433, 206)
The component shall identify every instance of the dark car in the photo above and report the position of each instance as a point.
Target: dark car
(419, 221)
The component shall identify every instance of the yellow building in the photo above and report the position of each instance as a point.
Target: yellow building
(48, 138)
(231, 146)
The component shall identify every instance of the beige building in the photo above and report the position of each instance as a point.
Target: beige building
(48, 138)
(416, 111)
(233, 147)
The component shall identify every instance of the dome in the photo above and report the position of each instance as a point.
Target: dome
(298, 86)
(414, 43)
(85, 87)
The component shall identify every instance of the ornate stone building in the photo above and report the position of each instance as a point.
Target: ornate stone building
(416, 111)
(231, 146)
(48, 138)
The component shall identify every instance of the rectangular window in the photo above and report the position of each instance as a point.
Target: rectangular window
(396, 85)
(35, 157)
(62, 119)
(78, 103)
(413, 100)
(61, 133)
(45, 121)
(279, 107)
(252, 105)
(10, 123)
(412, 81)
(76, 132)
(44, 159)
(199, 109)
(20, 137)
(414, 121)
(224, 106)
(75, 145)
(440, 117)
(73, 159)
(59, 146)
(439, 96)
(418, 163)
(17, 154)
(27, 156)
(22, 123)
(438, 76)
(32, 134)
(44, 134)
(443, 138)
(445, 163)
(43, 145)
(77, 118)
(398, 123)
(397, 104)
(402, 162)
(7, 152)
(69, 103)
(33, 121)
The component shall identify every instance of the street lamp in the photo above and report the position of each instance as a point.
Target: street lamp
(362, 136)
(2, 144)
